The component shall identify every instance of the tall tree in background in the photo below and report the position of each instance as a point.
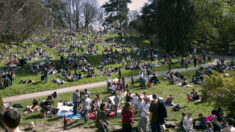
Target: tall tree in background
(216, 24)
(19, 19)
(90, 12)
(56, 10)
(73, 13)
(169, 24)
(175, 21)
(76, 13)
(117, 13)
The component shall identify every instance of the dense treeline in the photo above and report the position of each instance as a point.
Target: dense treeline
(177, 25)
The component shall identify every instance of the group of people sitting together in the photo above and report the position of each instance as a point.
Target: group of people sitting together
(216, 122)
(6, 78)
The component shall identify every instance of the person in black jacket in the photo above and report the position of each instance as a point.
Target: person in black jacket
(158, 113)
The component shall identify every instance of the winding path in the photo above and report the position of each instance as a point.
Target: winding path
(96, 84)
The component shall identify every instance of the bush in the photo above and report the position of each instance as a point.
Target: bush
(221, 91)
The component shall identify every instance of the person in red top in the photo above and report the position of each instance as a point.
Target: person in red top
(66, 120)
(127, 117)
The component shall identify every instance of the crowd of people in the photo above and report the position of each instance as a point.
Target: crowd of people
(74, 63)
(151, 110)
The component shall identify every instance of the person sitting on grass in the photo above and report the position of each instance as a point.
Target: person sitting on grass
(231, 126)
(169, 101)
(216, 124)
(11, 120)
(154, 79)
(193, 96)
(209, 127)
(200, 123)
(34, 107)
(188, 123)
(184, 83)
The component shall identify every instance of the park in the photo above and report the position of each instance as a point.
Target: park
(117, 65)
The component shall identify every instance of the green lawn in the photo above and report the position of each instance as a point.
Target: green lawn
(26, 74)
(164, 89)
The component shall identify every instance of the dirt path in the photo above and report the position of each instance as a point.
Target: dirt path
(94, 85)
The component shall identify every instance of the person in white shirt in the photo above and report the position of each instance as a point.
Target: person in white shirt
(230, 127)
(86, 107)
(140, 104)
(135, 101)
(188, 123)
(109, 82)
(144, 116)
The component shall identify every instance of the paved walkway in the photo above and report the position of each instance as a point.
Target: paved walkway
(91, 85)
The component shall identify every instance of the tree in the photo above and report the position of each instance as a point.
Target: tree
(169, 24)
(133, 15)
(56, 13)
(73, 13)
(215, 24)
(175, 21)
(101, 18)
(117, 14)
(90, 12)
(19, 19)
(76, 13)
(220, 90)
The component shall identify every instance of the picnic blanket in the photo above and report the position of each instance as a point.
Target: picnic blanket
(68, 111)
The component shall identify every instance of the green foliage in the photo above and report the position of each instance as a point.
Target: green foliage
(19, 19)
(220, 90)
(175, 25)
(170, 22)
(215, 24)
(116, 11)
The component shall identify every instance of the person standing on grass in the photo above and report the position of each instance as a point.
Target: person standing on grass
(101, 119)
(195, 61)
(66, 120)
(144, 116)
(188, 123)
(76, 99)
(169, 64)
(127, 117)
(45, 76)
(132, 81)
(119, 72)
(109, 82)
(158, 114)
(86, 107)
(117, 101)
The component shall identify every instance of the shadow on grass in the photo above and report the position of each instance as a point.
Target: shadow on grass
(35, 116)
(38, 82)
(54, 119)
(74, 125)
